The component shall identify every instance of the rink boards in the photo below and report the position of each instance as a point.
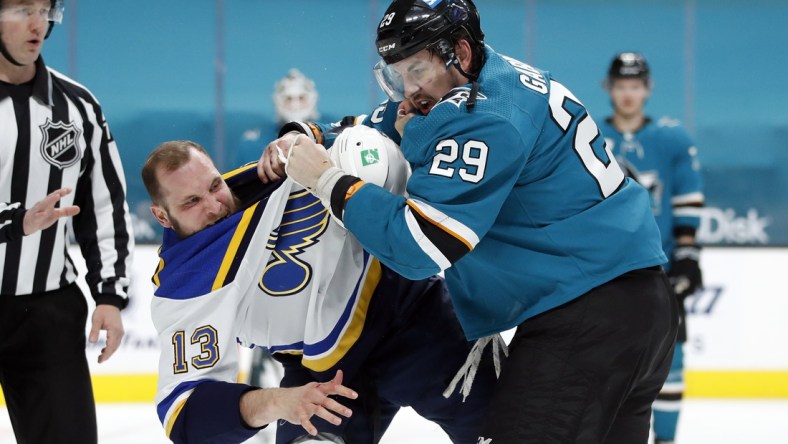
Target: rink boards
(735, 347)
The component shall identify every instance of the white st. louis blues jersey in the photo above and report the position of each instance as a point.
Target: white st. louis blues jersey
(253, 279)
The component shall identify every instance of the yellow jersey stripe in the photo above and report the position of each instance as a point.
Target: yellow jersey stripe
(232, 173)
(173, 417)
(356, 324)
(232, 249)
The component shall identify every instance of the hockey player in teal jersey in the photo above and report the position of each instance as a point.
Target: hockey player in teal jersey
(660, 156)
(515, 197)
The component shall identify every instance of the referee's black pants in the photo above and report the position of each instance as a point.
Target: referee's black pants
(588, 371)
(43, 369)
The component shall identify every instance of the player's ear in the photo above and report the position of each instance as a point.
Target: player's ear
(161, 215)
(463, 52)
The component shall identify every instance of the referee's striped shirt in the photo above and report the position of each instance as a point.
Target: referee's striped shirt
(52, 135)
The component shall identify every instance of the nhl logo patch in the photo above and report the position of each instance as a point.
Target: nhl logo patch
(59, 145)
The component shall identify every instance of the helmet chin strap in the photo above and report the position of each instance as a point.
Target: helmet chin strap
(456, 64)
(471, 102)
(8, 55)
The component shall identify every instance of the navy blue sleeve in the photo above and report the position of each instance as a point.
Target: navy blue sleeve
(212, 414)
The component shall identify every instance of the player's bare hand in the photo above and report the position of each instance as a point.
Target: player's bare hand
(297, 405)
(45, 213)
(107, 317)
(307, 161)
(405, 112)
(271, 166)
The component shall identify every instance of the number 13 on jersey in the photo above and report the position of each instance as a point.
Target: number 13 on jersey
(207, 337)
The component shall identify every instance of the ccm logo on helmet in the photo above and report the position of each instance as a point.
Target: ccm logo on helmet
(386, 48)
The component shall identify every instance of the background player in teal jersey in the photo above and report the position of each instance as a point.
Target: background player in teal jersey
(514, 196)
(660, 156)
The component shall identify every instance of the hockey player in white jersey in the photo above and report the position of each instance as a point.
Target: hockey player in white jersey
(267, 266)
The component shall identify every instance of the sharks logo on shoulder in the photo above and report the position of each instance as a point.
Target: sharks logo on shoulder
(60, 143)
(458, 96)
(650, 180)
(305, 219)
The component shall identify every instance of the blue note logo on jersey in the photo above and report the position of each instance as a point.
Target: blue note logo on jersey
(305, 219)
(59, 144)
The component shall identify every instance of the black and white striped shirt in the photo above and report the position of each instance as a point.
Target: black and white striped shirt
(53, 134)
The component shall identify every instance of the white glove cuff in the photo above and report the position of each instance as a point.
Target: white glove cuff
(326, 183)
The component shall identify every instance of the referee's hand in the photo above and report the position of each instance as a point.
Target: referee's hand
(44, 213)
(107, 317)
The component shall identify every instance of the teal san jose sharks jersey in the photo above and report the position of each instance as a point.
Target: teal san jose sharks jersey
(517, 200)
(661, 157)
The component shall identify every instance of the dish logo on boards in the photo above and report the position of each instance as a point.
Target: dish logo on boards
(718, 226)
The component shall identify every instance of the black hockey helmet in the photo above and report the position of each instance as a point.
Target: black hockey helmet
(408, 26)
(55, 15)
(629, 65)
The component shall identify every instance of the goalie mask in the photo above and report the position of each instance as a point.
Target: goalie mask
(295, 98)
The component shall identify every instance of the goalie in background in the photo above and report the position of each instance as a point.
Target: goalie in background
(295, 97)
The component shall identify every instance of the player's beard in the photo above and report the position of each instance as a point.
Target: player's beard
(177, 227)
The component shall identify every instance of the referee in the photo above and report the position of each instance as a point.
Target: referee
(57, 160)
